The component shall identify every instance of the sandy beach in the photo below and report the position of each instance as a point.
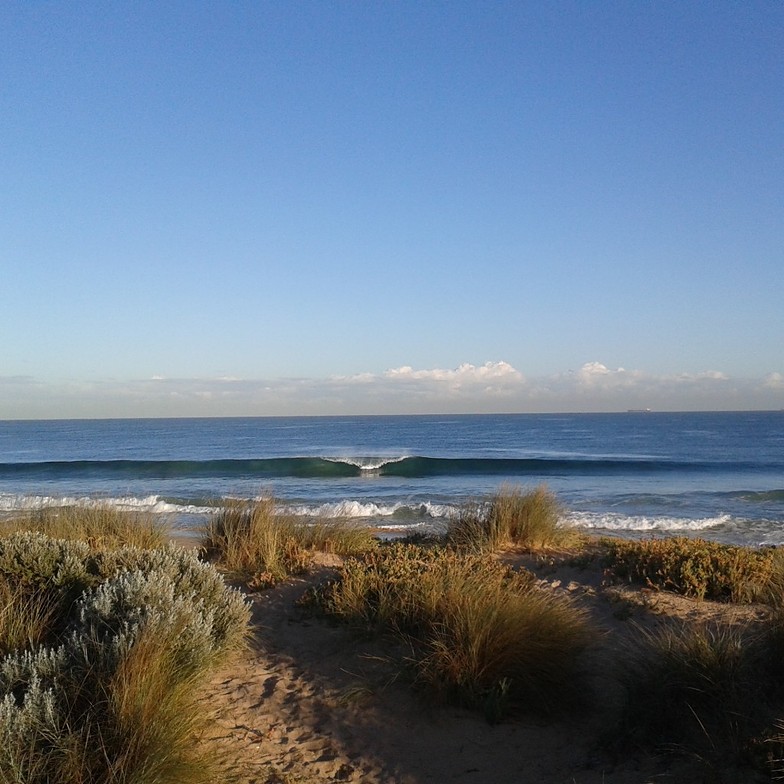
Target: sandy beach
(311, 702)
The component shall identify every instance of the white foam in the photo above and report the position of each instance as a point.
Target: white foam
(150, 503)
(359, 509)
(619, 522)
(366, 463)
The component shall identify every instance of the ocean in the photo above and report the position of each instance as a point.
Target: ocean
(716, 475)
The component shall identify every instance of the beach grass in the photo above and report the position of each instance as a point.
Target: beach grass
(482, 634)
(25, 619)
(255, 542)
(697, 690)
(99, 525)
(512, 518)
(138, 722)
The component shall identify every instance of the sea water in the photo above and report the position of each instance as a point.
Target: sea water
(717, 475)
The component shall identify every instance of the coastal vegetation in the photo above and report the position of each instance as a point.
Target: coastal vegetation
(512, 518)
(100, 525)
(104, 653)
(480, 634)
(709, 691)
(257, 543)
(698, 568)
(108, 635)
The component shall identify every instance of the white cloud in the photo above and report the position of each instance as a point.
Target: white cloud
(490, 387)
(774, 381)
(591, 369)
(463, 374)
(707, 375)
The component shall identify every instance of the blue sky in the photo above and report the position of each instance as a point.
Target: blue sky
(341, 207)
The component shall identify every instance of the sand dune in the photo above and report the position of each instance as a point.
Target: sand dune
(311, 702)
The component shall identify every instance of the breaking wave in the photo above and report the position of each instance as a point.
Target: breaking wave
(344, 467)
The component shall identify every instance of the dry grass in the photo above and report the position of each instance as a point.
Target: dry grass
(100, 526)
(482, 635)
(139, 722)
(512, 518)
(154, 720)
(253, 541)
(25, 619)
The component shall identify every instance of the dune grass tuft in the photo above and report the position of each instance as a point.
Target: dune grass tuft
(25, 619)
(512, 518)
(482, 634)
(253, 541)
(701, 691)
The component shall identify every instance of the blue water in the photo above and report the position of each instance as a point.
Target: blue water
(719, 475)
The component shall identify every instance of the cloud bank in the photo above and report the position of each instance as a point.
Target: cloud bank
(494, 387)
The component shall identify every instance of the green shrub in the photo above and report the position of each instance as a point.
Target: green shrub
(42, 578)
(111, 616)
(34, 561)
(482, 634)
(694, 567)
(511, 518)
(198, 581)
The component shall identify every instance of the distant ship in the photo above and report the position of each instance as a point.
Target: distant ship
(638, 410)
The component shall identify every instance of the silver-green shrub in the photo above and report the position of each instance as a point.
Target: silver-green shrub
(190, 577)
(32, 713)
(36, 561)
(111, 616)
(50, 697)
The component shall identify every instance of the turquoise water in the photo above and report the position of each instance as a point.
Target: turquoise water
(719, 475)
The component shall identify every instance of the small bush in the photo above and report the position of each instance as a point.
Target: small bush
(482, 634)
(694, 567)
(100, 526)
(34, 561)
(42, 579)
(111, 616)
(512, 518)
(198, 581)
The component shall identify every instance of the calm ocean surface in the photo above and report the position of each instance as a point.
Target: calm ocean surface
(719, 475)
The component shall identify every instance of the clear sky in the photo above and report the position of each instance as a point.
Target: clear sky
(251, 208)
